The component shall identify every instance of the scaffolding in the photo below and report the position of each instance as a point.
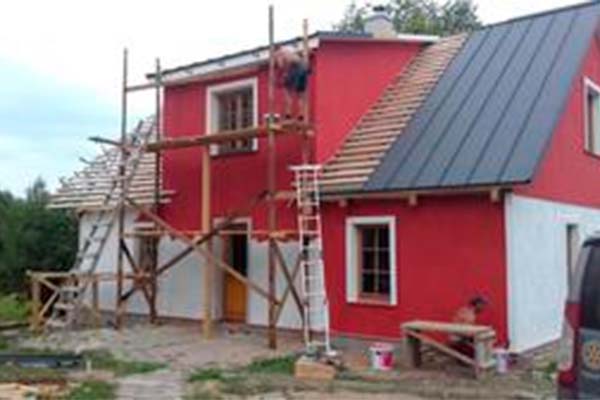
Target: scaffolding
(144, 277)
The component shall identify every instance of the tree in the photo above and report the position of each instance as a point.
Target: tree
(417, 16)
(33, 237)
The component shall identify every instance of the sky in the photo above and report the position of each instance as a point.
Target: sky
(60, 64)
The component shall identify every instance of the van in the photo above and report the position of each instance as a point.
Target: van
(579, 354)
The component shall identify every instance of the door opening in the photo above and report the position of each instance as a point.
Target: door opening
(235, 253)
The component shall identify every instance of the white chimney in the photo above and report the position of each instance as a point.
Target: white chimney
(379, 24)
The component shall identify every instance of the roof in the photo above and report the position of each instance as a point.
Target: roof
(85, 190)
(493, 112)
(378, 128)
(259, 55)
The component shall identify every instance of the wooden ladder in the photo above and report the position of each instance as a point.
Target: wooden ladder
(72, 291)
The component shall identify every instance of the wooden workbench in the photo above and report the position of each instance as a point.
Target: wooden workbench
(419, 333)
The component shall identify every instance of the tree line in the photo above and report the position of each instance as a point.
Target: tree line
(429, 17)
(33, 237)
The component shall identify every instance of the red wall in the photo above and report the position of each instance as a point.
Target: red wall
(347, 77)
(449, 249)
(350, 76)
(568, 173)
(236, 178)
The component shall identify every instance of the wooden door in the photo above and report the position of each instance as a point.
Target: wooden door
(235, 292)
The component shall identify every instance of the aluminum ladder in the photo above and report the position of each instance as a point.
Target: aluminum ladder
(312, 270)
(71, 293)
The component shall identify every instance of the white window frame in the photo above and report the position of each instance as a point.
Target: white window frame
(352, 284)
(588, 85)
(212, 109)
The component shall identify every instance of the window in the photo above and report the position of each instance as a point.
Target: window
(232, 106)
(592, 117)
(370, 250)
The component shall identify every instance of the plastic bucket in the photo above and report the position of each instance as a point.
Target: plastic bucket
(382, 356)
(502, 358)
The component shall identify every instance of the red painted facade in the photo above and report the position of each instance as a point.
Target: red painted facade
(344, 82)
(568, 173)
(449, 249)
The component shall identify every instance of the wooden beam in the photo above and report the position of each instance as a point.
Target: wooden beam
(495, 195)
(137, 271)
(206, 223)
(225, 136)
(271, 185)
(413, 200)
(287, 290)
(200, 250)
(393, 195)
(202, 238)
(36, 304)
(119, 311)
(290, 281)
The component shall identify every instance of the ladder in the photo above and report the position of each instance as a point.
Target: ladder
(71, 293)
(312, 270)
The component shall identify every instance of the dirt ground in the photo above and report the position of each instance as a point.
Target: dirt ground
(183, 350)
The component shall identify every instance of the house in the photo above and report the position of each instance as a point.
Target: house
(451, 168)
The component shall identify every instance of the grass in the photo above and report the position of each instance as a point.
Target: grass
(11, 373)
(271, 366)
(104, 360)
(280, 365)
(93, 390)
(258, 377)
(13, 308)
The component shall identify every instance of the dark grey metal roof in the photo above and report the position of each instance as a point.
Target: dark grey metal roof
(493, 112)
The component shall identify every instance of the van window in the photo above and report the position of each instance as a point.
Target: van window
(590, 291)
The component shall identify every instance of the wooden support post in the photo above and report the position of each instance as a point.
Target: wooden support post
(208, 281)
(271, 186)
(121, 207)
(36, 305)
(157, 180)
(306, 140)
(96, 302)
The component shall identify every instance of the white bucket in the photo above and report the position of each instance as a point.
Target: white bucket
(501, 356)
(382, 356)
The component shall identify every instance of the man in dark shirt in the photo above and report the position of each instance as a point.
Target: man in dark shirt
(292, 73)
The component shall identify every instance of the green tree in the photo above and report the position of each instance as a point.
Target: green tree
(417, 16)
(33, 237)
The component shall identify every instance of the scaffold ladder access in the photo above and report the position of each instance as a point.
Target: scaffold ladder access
(315, 302)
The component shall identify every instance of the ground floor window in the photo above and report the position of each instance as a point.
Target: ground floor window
(371, 259)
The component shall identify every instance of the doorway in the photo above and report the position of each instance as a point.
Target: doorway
(235, 253)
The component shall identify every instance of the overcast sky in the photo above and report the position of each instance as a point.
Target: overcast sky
(60, 63)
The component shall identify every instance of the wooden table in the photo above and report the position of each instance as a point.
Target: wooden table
(418, 333)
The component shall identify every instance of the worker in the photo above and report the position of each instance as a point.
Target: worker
(467, 315)
(292, 74)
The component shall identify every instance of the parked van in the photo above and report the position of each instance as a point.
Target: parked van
(579, 355)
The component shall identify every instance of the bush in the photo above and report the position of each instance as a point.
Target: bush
(13, 308)
(33, 237)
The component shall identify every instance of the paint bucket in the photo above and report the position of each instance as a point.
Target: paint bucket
(502, 357)
(382, 356)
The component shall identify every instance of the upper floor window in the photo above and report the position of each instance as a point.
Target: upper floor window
(230, 107)
(371, 255)
(592, 117)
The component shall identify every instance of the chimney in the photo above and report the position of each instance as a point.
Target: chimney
(379, 24)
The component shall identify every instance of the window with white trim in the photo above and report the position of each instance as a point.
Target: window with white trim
(371, 259)
(232, 106)
(592, 116)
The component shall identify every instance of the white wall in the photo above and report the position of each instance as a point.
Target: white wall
(180, 288)
(536, 239)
